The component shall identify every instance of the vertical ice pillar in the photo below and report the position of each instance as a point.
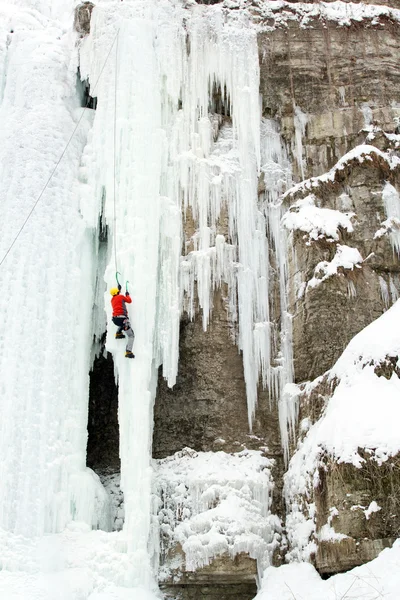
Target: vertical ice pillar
(277, 177)
(46, 286)
(129, 164)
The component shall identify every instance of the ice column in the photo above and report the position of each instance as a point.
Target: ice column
(156, 89)
(277, 178)
(46, 282)
(136, 105)
(300, 122)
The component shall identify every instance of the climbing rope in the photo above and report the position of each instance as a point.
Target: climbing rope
(60, 159)
(115, 153)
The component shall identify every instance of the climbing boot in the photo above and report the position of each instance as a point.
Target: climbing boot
(128, 354)
(119, 335)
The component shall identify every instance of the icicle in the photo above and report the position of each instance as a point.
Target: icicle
(367, 114)
(288, 413)
(394, 286)
(300, 122)
(351, 289)
(277, 175)
(391, 201)
(384, 292)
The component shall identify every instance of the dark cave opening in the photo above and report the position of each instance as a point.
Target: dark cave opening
(103, 427)
(103, 432)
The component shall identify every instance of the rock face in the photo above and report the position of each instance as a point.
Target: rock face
(224, 579)
(355, 294)
(329, 82)
(83, 13)
(330, 86)
(206, 409)
(350, 491)
(355, 507)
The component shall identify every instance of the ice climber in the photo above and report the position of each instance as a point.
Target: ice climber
(120, 318)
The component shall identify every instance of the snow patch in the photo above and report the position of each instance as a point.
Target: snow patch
(361, 153)
(317, 222)
(345, 258)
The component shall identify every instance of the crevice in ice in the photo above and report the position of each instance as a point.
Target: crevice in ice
(102, 227)
(220, 100)
(83, 87)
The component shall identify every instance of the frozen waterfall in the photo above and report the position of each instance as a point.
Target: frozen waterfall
(149, 153)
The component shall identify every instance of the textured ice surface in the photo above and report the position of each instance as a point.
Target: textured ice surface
(214, 503)
(45, 329)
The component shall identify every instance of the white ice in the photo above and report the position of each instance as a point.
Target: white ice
(391, 202)
(214, 503)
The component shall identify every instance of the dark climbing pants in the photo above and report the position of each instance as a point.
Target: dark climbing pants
(123, 325)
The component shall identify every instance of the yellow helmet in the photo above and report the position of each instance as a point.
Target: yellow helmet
(114, 291)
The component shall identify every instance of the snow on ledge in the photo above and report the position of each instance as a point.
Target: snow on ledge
(345, 258)
(361, 153)
(343, 13)
(319, 223)
(363, 412)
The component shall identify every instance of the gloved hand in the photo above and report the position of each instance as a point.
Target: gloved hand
(126, 293)
(119, 287)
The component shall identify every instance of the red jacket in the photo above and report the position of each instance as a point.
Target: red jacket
(118, 305)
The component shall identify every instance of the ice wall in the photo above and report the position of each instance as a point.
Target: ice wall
(46, 281)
